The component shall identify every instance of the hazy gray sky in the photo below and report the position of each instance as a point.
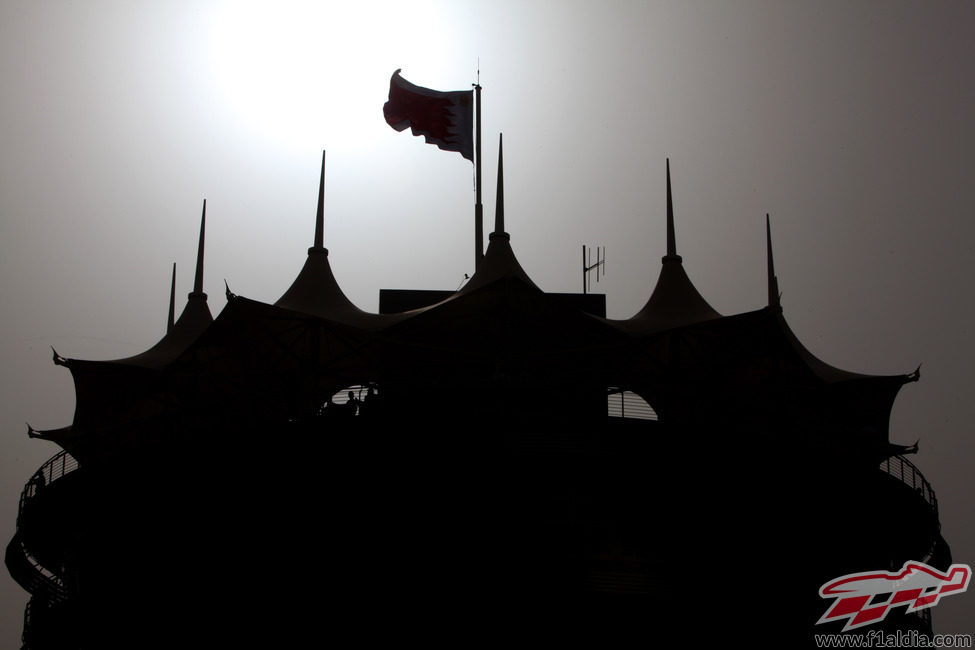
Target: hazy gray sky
(851, 123)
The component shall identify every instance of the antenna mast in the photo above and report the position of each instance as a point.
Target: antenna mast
(478, 208)
(588, 266)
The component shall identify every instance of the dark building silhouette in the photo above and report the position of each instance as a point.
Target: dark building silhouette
(513, 464)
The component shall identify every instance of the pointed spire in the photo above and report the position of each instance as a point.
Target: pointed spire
(499, 260)
(172, 302)
(320, 217)
(773, 282)
(674, 300)
(315, 290)
(499, 205)
(230, 294)
(198, 281)
(671, 237)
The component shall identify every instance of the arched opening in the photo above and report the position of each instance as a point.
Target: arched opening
(357, 400)
(627, 405)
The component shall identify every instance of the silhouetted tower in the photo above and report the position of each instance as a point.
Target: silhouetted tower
(508, 458)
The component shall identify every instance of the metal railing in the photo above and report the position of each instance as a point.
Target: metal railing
(33, 577)
(25, 634)
(621, 403)
(61, 464)
(905, 471)
(44, 585)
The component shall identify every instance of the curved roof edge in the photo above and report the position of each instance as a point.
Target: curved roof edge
(675, 302)
(194, 319)
(817, 366)
(824, 371)
(316, 292)
(59, 436)
(499, 262)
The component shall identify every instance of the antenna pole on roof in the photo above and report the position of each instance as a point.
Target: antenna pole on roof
(587, 267)
(478, 208)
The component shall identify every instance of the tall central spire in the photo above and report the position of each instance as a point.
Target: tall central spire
(315, 290)
(198, 280)
(499, 260)
(320, 216)
(671, 237)
(773, 282)
(674, 300)
(499, 206)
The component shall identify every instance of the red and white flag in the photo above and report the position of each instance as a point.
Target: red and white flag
(445, 119)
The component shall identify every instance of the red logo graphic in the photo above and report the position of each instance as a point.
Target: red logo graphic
(917, 585)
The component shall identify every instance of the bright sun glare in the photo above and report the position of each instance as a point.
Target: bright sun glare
(314, 71)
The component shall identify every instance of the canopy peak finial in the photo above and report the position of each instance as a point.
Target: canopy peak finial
(499, 205)
(774, 298)
(172, 301)
(320, 215)
(671, 238)
(198, 279)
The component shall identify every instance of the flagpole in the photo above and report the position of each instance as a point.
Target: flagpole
(478, 208)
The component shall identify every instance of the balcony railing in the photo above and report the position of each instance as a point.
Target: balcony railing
(61, 464)
(905, 471)
(33, 577)
(621, 403)
(46, 587)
